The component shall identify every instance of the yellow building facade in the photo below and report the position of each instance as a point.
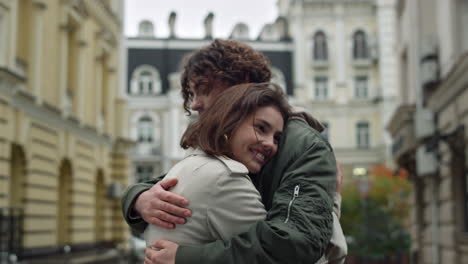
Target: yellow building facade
(63, 149)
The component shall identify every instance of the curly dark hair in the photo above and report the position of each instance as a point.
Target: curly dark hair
(228, 61)
(230, 109)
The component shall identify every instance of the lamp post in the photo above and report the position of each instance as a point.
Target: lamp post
(363, 186)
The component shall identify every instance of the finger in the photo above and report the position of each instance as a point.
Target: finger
(168, 183)
(149, 256)
(148, 261)
(160, 244)
(163, 224)
(172, 198)
(169, 208)
(162, 215)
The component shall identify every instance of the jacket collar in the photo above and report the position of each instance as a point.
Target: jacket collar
(233, 165)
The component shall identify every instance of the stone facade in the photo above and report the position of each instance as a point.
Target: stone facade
(433, 55)
(345, 72)
(63, 140)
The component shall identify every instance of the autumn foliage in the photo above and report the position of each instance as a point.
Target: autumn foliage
(376, 223)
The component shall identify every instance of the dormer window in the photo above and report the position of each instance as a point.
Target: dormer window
(145, 81)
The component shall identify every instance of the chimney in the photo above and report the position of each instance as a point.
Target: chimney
(171, 22)
(282, 28)
(208, 23)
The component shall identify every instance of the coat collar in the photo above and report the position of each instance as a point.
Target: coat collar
(233, 165)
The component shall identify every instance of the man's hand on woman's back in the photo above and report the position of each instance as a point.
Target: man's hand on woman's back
(157, 206)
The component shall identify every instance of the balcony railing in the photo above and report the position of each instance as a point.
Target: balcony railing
(11, 234)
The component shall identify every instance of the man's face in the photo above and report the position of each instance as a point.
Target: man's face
(201, 101)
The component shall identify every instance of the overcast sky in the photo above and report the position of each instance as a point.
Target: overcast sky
(191, 13)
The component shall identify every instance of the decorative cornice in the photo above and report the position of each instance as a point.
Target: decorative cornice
(49, 114)
(80, 7)
(404, 113)
(11, 76)
(41, 5)
(190, 44)
(99, 11)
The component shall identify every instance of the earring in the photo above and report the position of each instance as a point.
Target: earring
(226, 138)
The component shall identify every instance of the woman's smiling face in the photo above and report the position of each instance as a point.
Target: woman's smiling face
(256, 139)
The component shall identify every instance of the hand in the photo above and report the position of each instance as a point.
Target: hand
(159, 207)
(339, 178)
(165, 255)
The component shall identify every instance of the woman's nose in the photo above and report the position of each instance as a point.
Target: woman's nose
(269, 145)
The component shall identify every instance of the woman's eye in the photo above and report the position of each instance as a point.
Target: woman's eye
(260, 128)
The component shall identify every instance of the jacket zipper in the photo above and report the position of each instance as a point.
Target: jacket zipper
(295, 194)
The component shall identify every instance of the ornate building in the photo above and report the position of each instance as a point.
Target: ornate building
(157, 119)
(345, 73)
(429, 127)
(63, 146)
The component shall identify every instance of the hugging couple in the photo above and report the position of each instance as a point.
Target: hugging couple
(259, 184)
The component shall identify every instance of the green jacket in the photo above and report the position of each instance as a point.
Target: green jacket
(297, 189)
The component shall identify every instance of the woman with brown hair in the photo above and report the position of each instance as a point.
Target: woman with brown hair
(231, 140)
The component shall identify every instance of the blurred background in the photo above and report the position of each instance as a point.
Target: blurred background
(90, 103)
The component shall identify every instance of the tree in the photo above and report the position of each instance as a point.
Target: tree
(377, 223)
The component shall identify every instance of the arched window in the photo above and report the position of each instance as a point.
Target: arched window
(362, 134)
(320, 46)
(277, 77)
(145, 81)
(145, 129)
(360, 49)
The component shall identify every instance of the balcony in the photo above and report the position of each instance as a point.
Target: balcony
(321, 63)
(402, 130)
(146, 150)
(362, 62)
(370, 155)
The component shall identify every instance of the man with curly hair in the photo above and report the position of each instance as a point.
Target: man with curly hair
(299, 187)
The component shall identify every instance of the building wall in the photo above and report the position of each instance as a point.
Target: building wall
(59, 151)
(339, 20)
(439, 219)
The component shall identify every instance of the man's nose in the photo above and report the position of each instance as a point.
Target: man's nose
(196, 104)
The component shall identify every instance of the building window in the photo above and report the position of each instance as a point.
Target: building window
(326, 132)
(360, 49)
(361, 87)
(362, 134)
(144, 173)
(321, 88)
(145, 81)
(320, 46)
(145, 129)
